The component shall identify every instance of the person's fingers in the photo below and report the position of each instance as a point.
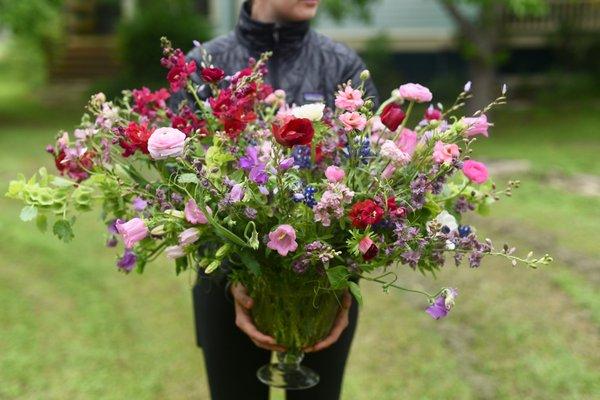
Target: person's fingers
(346, 300)
(246, 325)
(341, 322)
(241, 296)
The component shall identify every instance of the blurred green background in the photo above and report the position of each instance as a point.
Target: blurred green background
(72, 327)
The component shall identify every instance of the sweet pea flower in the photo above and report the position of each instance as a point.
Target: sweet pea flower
(353, 120)
(313, 111)
(165, 143)
(443, 304)
(476, 172)
(132, 231)
(415, 92)
(127, 262)
(283, 240)
(189, 236)
(365, 244)
(193, 214)
(334, 174)
(476, 126)
(349, 99)
(444, 153)
(174, 252)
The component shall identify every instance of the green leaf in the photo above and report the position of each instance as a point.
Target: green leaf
(250, 262)
(62, 182)
(62, 228)
(181, 264)
(355, 290)
(187, 178)
(338, 277)
(28, 213)
(42, 222)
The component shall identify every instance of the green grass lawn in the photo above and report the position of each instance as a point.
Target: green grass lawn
(72, 327)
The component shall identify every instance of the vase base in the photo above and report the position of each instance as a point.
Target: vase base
(287, 377)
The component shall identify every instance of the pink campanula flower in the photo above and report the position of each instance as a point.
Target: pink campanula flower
(407, 142)
(283, 239)
(444, 153)
(353, 120)
(174, 252)
(415, 92)
(476, 126)
(132, 231)
(165, 143)
(349, 99)
(193, 214)
(334, 174)
(475, 171)
(365, 244)
(189, 236)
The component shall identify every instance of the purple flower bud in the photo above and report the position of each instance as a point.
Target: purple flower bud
(127, 262)
(112, 242)
(286, 164)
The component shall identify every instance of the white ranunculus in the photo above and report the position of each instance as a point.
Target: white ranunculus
(314, 111)
(446, 219)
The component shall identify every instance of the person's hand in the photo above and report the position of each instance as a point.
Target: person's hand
(340, 323)
(243, 319)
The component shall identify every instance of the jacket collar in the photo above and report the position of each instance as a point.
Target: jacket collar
(260, 37)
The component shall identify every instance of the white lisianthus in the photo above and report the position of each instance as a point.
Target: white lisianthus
(446, 219)
(314, 111)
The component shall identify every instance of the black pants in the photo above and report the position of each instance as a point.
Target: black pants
(232, 359)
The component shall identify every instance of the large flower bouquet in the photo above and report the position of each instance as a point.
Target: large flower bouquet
(296, 203)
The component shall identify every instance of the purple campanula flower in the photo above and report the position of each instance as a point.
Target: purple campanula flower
(286, 164)
(250, 160)
(112, 227)
(139, 204)
(127, 262)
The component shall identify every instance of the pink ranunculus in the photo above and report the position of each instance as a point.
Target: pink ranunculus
(391, 151)
(334, 174)
(283, 239)
(376, 124)
(475, 171)
(476, 126)
(174, 252)
(365, 244)
(415, 92)
(166, 142)
(353, 120)
(444, 153)
(193, 214)
(349, 99)
(132, 231)
(189, 236)
(407, 142)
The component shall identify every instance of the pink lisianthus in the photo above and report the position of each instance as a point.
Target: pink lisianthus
(444, 153)
(391, 151)
(475, 171)
(415, 92)
(132, 231)
(353, 120)
(166, 142)
(188, 236)
(334, 174)
(193, 214)
(283, 239)
(407, 142)
(476, 126)
(174, 252)
(349, 99)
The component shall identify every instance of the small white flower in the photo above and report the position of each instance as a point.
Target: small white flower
(446, 219)
(467, 87)
(314, 111)
(504, 89)
(450, 245)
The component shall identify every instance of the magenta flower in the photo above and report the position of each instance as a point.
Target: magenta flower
(477, 126)
(334, 174)
(349, 99)
(415, 92)
(476, 172)
(193, 214)
(445, 153)
(165, 143)
(132, 231)
(283, 240)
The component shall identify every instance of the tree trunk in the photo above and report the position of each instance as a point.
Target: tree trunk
(484, 86)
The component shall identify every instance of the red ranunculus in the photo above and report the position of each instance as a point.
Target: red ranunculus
(295, 131)
(212, 74)
(365, 213)
(392, 116)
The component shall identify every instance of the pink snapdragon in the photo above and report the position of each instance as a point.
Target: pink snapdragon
(165, 143)
(283, 240)
(444, 153)
(353, 120)
(476, 126)
(415, 92)
(475, 171)
(334, 174)
(349, 99)
(132, 231)
(332, 203)
(193, 214)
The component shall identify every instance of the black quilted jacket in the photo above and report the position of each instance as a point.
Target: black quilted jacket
(307, 65)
